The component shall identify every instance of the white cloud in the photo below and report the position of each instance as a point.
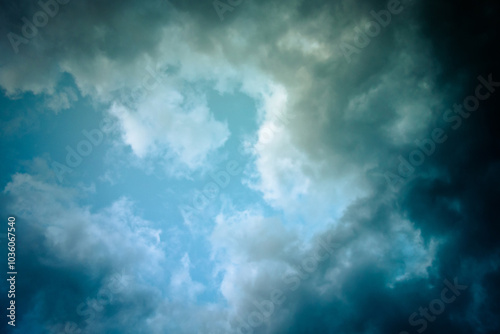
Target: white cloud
(61, 100)
(182, 285)
(248, 248)
(168, 124)
(114, 237)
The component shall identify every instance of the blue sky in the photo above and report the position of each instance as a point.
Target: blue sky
(251, 166)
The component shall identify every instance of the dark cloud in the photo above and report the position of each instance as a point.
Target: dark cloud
(396, 250)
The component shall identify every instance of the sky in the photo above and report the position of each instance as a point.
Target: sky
(250, 166)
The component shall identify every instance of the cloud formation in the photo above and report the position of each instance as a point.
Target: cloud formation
(342, 252)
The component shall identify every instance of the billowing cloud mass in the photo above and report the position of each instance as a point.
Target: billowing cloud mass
(367, 135)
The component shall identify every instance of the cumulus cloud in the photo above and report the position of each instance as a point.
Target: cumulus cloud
(92, 246)
(108, 266)
(168, 124)
(259, 256)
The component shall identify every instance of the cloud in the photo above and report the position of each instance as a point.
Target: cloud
(259, 255)
(167, 124)
(181, 282)
(62, 100)
(343, 124)
(80, 248)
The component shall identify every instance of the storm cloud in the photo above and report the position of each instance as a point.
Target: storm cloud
(371, 166)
